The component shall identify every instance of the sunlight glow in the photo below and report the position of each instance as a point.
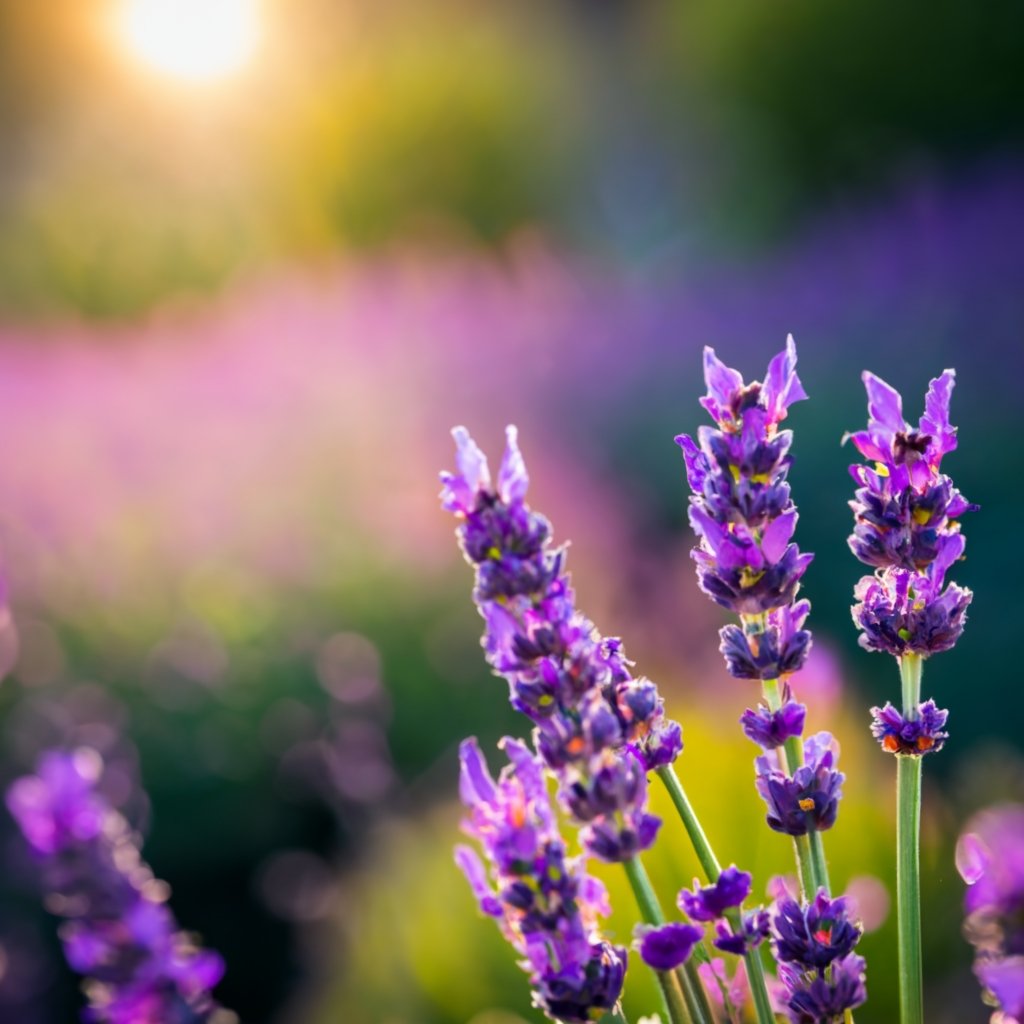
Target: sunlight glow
(196, 40)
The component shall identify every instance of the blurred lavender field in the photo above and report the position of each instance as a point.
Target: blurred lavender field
(232, 347)
(229, 517)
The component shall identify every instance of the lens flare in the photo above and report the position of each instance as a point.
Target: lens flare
(193, 40)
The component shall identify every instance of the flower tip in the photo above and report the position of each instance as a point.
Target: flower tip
(513, 479)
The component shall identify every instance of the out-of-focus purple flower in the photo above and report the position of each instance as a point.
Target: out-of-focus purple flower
(742, 512)
(816, 934)
(598, 727)
(1004, 978)
(809, 799)
(770, 729)
(754, 927)
(732, 993)
(710, 902)
(545, 904)
(668, 946)
(923, 734)
(779, 650)
(990, 858)
(118, 931)
(817, 998)
(59, 807)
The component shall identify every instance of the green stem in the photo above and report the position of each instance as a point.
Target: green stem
(808, 885)
(712, 869)
(818, 865)
(699, 841)
(693, 993)
(908, 856)
(650, 910)
(810, 853)
(758, 988)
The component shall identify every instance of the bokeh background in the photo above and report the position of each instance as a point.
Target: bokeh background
(257, 260)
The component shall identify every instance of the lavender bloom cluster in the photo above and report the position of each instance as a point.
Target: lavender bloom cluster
(118, 931)
(809, 797)
(544, 902)
(743, 514)
(906, 514)
(672, 943)
(813, 944)
(990, 858)
(599, 729)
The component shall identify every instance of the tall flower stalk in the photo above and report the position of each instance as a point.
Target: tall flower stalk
(598, 729)
(907, 528)
(744, 517)
(742, 512)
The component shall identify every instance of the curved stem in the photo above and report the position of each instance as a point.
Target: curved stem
(908, 855)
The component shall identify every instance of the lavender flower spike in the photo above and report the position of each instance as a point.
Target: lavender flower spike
(598, 728)
(118, 931)
(543, 901)
(743, 515)
(907, 525)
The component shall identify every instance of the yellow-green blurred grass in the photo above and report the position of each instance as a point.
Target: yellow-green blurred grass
(417, 951)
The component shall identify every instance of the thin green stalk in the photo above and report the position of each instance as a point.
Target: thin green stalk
(908, 856)
(758, 988)
(712, 869)
(699, 841)
(650, 910)
(808, 885)
(810, 853)
(693, 992)
(818, 865)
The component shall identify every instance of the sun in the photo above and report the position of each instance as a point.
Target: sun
(193, 40)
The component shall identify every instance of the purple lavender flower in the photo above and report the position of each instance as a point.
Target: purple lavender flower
(770, 729)
(907, 525)
(754, 927)
(597, 727)
(778, 650)
(543, 901)
(922, 734)
(902, 612)
(710, 902)
(741, 508)
(990, 858)
(669, 946)
(809, 799)
(817, 998)
(118, 930)
(905, 508)
(816, 934)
